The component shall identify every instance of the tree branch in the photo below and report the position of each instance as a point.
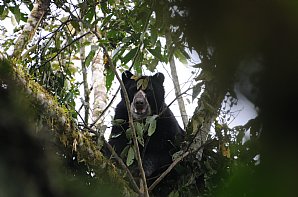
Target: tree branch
(57, 119)
(168, 170)
(130, 119)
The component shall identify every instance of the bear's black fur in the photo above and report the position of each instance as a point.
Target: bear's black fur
(145, 101)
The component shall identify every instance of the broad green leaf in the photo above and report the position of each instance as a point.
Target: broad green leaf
(89, 15)
(138, 63)
(130, 156)
(186, 55)
(118, 122)
(4, 14)
(151, 121)
(16, 12)
(178, 54)
(139, 83)
(109, 78)
(129, 56)
(106, 19)
(174, 194)
(156, 52)
(152, 65)
(89, 58)
(153, 36)
(139, 128)
(140, 131)
(124, 151)
(145, 83)
(128, 133)
(152, 128)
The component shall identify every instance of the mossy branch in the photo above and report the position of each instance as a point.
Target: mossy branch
(57, 119)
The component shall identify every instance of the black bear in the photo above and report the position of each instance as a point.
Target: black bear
(146, 95)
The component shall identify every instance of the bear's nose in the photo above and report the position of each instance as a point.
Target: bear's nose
(140, 102)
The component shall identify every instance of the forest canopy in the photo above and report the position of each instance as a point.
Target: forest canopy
(60, 74)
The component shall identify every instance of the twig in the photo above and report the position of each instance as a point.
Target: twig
(168, 170)
(130, 119)
(122, 164)
(78, 38)
(173, 101)
(119, 160)
(106, 108)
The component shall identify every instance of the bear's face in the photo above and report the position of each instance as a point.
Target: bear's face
(146, 94)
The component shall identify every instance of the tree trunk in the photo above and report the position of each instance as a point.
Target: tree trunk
(176, 83)
(99, 88)
(38, 12)
(204, 115)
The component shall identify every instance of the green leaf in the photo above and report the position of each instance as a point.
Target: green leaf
(140, 131)
(4, 14)
(152, 128)
(75, 25)
(109, 78)
(89, 58)
(130, 156)
(151, 121)
(128, 133)
(118, 122)
(174, 194)
(89, 15)
(152, 65)
(153, 37)
(142, 83)
(106, 20)
(178, 54)
(139, 83)
(138, 63)
(124, 151)
(16, 12)
(129, 56)
(156, 53)
(145, 83)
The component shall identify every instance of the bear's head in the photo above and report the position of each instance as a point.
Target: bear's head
(146, 94)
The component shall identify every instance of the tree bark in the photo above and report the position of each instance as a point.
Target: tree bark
(57, 119)
(99, 88)
(38, 12)
(176, 83)
(204, 115)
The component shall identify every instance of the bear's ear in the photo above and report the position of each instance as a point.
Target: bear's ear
(160, 77)
(126, 75)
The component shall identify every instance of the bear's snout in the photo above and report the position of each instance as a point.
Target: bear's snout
(140, 107)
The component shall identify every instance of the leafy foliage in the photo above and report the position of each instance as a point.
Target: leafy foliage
(133, 33)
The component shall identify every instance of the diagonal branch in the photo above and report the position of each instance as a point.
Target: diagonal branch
(130, 118)
(59, 121)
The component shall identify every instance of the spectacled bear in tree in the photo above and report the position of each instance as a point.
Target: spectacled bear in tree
(147, 99)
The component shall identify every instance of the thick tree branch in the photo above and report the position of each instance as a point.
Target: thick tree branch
(56, 118)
